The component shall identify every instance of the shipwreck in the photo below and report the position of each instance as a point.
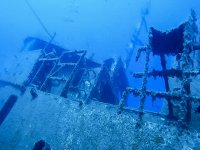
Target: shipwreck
(54, 98)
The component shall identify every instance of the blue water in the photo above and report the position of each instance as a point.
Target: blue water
(102, 27)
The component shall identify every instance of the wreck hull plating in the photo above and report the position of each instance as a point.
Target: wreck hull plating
(65, 124)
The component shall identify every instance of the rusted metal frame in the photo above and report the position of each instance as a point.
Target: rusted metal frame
(184, 97)
(157, 73)
(143, 49)
(189, 40)
(123, 100)
(53, 73)
(48, 59)
(144, 83)
(72, 52)
(193, 73)
(57, 78)
(67, 84)
(165, 77)
(169, 95)
(185, 104)
(60, 67)
(157, 94)
(48, 76)
(143, 89)
(43, 61)
(169, 73)
(138, 93)
(145, 76)
(41, 66)
(53, 69)
(64, 64)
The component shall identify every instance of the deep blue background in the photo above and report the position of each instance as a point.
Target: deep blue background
(103, 27)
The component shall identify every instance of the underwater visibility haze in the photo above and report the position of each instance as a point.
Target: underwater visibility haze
(100, 74)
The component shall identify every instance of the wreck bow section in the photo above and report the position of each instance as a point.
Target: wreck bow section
(48, 74)
(70, 74)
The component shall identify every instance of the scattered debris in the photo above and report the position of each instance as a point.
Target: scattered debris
(33, 93)
(41, 145)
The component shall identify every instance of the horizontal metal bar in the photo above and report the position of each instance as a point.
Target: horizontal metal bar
(48, 59)
(58, 78)
(169, 73)
(72, 52)
(143, 49)
(66, 64)
(170, 95)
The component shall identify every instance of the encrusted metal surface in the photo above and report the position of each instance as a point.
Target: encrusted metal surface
(182, 99)
(64, 124)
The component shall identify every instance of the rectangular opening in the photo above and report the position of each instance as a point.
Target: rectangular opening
(7, 108)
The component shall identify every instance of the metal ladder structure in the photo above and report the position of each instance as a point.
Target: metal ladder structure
(60, 71)
(180, 100)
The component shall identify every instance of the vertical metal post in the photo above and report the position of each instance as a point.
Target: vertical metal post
(43, 50)
(144, 83)
(189, 37)
(50, 73)
(123, 100)
(67, 84)
(170, 105)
